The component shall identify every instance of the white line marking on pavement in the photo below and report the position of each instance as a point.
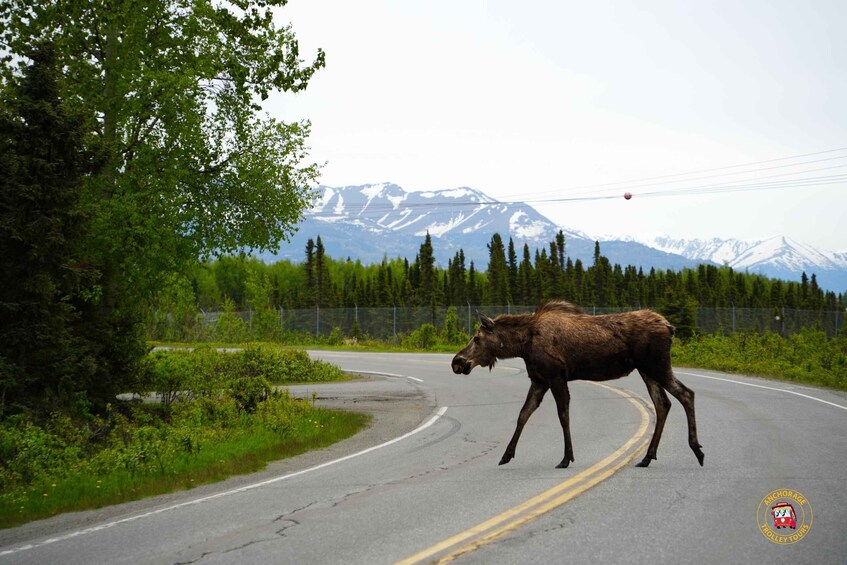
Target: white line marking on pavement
(762, 386)
(395, 375)
(107, 525)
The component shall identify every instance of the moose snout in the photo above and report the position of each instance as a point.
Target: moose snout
(461, 366)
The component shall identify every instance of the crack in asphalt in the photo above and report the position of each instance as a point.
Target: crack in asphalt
(248, 544)
(202, 556)
(289, 523)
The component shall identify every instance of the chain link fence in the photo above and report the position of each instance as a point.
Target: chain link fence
(389, 323)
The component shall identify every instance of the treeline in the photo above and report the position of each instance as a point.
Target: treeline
(524, 277)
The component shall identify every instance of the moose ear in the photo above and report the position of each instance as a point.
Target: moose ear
(486, 322)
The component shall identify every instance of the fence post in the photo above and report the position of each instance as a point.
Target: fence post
(395, 320)
(782, 323)
(318, 320)
(733, 318)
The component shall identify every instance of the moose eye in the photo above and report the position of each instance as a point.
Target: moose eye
(476, 339)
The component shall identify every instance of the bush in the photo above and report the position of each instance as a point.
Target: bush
(453, 333)
(205, 372)
(249, 391)
(167, 374)
(424, 338)
(221, 415)
(806, 357)
(230, 327)
(264, 325)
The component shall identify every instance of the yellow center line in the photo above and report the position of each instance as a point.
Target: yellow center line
(525, 512)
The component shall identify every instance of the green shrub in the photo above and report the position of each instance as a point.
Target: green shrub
(230, 327)
(806, 357)
(135, 451)
(264, 325)
(205, 372)
(453, 333)
(424, 338)
(249, 391)
(167, 374)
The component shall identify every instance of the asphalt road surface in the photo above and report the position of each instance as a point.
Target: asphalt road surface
(423, 484)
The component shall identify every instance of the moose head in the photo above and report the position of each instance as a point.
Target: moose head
(482, 350)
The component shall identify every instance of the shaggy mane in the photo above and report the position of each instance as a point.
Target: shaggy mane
(559, 306)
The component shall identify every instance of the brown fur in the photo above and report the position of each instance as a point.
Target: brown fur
(561, 343)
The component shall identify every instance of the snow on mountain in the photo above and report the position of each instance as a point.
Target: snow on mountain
(777, 256)
(779, 251)
(387, 208)
(370, 222)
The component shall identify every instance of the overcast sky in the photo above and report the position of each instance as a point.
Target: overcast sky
(550, 101)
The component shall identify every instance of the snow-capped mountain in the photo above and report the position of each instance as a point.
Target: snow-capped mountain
(369, 222)
(386, 207)
(777, 256)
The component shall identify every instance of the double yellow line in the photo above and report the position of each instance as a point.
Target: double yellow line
(493, 528)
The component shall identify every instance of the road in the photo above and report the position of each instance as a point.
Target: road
(423, 483)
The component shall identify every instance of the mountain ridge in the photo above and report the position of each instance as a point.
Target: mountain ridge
(373, 221)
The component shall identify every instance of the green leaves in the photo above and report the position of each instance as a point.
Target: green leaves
(167, 98)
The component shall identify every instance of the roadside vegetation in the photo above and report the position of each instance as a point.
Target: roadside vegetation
(131, 182)
(808, 357)
(215, 415)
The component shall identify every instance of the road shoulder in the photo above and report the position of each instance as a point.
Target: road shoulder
(396, 406)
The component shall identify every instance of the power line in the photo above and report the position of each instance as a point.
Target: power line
(640, 181)
(747, 186)
(739, 185)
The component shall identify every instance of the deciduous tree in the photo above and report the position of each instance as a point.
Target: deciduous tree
(190, 166)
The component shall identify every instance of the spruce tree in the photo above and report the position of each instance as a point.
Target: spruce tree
(498, 272)
(44, 275)
(426, 266)
(513, 273)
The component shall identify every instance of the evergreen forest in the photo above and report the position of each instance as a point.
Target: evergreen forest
(516, 276)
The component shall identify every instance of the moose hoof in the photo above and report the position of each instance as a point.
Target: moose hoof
(644, 462)
(564, 464)
(505, 459)
(700, 456)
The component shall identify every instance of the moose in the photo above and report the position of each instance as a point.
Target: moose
(559, 343)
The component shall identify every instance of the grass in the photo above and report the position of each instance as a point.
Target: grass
(243, 451)
(68, 464)
(220, 414)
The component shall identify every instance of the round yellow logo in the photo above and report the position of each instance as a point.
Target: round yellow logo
(784, 516)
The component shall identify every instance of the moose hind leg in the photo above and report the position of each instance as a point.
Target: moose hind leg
(536, 393)
(663, 406)
(686, 397)
(563, 401)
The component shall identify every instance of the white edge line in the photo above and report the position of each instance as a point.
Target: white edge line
(762, 386)
(364, 372)
(107, 525)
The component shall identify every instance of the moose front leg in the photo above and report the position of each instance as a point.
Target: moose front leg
(537, 390)
(559, 387)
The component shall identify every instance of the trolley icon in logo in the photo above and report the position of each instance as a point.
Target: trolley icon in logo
(785, 516)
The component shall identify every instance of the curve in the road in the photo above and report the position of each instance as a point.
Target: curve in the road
(438, 414)
(794, 392)
(493, 528)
